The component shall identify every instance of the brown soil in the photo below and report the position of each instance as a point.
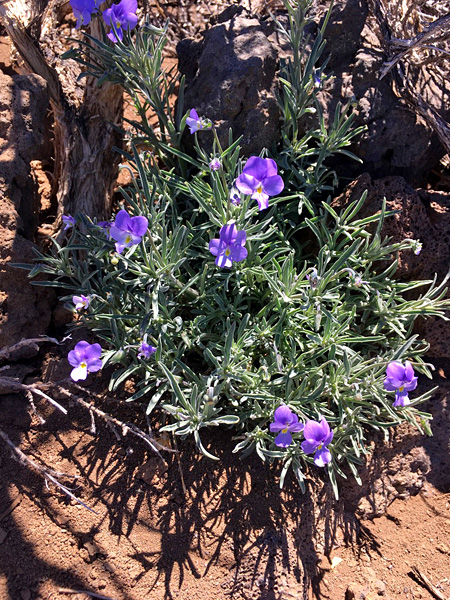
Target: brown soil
(231, 534)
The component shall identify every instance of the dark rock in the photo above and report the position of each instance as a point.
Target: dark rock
(421, 215)
(14, 411)
(231, 79)
(396, 141)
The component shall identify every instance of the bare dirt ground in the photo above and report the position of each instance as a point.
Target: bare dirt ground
(219, 530)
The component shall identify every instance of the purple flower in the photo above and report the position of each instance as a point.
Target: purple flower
(229, 247)
(81, 302)
(195, 123)
(417, 247)
(215, 164)
(120, 16)
(317, 77)
(85, 358)
(68, 221)
(356, 279)
(286, 422)
(105, 226)
(313, 278)
(235, 196)
(317, 437)
(145, 350)
(260, 179)
(400, 379)
(127, 231)
(82, 10)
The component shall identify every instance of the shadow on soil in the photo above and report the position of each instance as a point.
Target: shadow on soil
(232, 515)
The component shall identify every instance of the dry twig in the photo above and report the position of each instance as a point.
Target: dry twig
(6, 353)
(87, 592)
(423, 579)
(49, 474)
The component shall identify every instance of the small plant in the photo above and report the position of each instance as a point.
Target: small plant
(228, 288)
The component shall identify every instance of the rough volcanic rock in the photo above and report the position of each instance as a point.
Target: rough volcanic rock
(24, 310)
(396, 141)
(421, 215)
(231, 79)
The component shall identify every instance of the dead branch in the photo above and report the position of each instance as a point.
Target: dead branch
(404, 67)
(423, 579)
(416, 42)
(86, 115)
(8, 384)
(87, 592)
(5, 353)
(124, 427)
(49, 474)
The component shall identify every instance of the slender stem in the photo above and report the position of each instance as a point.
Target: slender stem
(222, 173)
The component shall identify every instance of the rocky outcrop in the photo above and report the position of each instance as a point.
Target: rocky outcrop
(424, 216)
(231, 79)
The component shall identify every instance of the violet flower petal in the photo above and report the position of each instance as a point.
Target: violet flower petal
(313, 431)
(139, 225)
(246, 184)
(256, 167)
(309, 446)
(123, 221)
(238, 253)
(283, 415)
(395, 370)
(271, 167)
(228, 233)
(223, 260)
(322, 457)
(215, 246)
(273, 185)
(283, 439)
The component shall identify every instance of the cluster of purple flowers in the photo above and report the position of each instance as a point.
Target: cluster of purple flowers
(317, 434)
(85, 357)
(260, 180)
(120, 17)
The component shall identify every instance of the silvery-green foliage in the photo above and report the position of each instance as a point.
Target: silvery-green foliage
(288, 324)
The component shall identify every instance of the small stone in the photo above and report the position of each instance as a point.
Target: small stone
(152, 469)
(92, 550)
(336, 560)
(3, 535)
(25, 594)
(379, 586)
(109, 567)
